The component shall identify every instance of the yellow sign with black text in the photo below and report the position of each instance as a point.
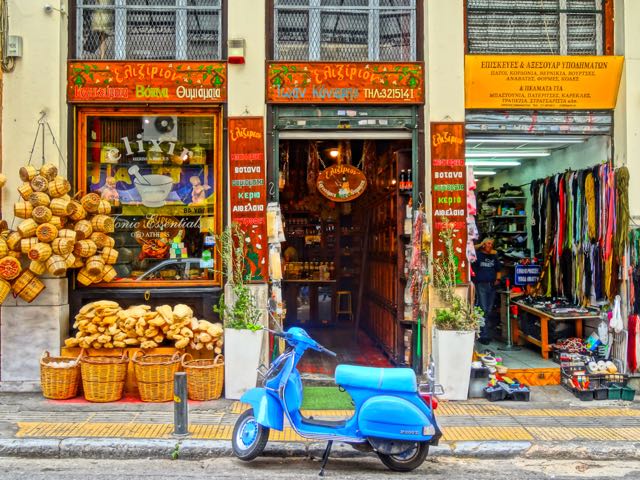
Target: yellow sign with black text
(542, 82)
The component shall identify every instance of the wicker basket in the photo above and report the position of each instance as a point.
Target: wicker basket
(205, 377)
(59, 382)
(154, 374)
(103, 377)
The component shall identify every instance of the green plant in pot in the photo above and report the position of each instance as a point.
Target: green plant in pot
(242, 311)
(456, 323)
(239, 310)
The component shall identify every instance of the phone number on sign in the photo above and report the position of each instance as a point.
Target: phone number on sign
(390, 93)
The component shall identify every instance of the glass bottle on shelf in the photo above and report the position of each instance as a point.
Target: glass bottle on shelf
(409, 183)
(403, 180)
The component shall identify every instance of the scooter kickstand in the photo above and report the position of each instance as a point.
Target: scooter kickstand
(325, 457)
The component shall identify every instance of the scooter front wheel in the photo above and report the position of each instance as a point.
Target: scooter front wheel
(249, 437)
(407, 461)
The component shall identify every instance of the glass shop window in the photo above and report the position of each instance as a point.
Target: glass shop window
(161, 175)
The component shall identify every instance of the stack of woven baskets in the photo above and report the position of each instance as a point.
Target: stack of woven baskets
(56, 233)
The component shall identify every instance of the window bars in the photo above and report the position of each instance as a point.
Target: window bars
(149, 29)
(554, 27)
(345, 30)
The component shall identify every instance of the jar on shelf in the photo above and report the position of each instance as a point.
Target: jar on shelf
(199, 156)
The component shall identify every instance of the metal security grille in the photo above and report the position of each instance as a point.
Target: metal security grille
(149, 29)
(555, 27)
(345, 30)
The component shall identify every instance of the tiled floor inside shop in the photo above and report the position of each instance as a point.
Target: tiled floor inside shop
(524, 357)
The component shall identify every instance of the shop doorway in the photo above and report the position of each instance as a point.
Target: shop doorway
(533, 173)
(343, 261)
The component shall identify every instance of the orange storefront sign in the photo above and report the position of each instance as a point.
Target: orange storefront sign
(147, 82)
(542, 82)
(345, 83)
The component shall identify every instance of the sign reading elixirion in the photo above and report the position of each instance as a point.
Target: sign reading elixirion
(147, 82)
(350, 83)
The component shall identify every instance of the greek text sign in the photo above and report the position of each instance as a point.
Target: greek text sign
(449, 191)
(370, 82)
(147, 82)
(247, 177)
(527, 274)
(542, 82)
(341, 183)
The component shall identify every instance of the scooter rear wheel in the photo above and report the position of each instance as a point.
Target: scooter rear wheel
(249, 437)
(405, 462)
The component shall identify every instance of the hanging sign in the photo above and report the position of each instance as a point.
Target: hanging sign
(527, 274)
(341, 183)
(543, 82)
(449, 191)
(147, 82)
(350, 83)
(247, 175)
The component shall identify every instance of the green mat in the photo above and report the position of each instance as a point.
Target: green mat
(326, 398)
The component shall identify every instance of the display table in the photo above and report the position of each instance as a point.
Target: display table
(545, 318)
(293, 289)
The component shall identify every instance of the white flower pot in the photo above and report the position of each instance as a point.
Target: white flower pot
(452, 353)
(242, 350)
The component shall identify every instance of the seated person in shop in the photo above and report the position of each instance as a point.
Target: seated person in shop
(487, 269)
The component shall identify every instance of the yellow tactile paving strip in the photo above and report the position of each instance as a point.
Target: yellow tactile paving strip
(224, 432)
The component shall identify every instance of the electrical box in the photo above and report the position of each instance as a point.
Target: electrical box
(14, 46)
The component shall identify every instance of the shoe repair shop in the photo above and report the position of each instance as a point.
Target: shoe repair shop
(149, 142)
(550, 196)
(345, 175)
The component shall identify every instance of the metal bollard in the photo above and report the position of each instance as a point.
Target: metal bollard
(180, 405)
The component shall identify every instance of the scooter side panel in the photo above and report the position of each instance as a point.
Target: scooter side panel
(396, 418)
(266, 408)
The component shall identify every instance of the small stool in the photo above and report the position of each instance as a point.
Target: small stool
(343, 304)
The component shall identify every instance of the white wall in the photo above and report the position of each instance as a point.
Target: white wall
(36, 85)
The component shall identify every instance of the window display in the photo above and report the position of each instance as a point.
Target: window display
(160, 171)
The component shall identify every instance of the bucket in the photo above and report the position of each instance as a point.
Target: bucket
(110, 255)
(102, 223)
(27, 173)
(42, 214)
(39, 183)
(40, 252)
(83, 229)
(62, 246)
(56, 265)
(22, 209)
(94, 265)
(37, 199)
(46, 233)
(27, 228)
(59, 186)
(60, 207)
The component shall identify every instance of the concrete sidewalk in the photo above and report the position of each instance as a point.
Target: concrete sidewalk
(553, 425)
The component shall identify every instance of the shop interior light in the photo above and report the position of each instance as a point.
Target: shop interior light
(493, 163)
(522, 140)
(507, 154)
(483, 172)
(333, 153)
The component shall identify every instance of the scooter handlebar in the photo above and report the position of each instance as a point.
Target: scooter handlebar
(326, 350)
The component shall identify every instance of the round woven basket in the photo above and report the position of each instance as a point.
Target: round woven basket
(205, 377)
(59, 376)
(31, 291)
(103, 377)
(27, 173)
(154, 374)
(22, 209)
(38, 199)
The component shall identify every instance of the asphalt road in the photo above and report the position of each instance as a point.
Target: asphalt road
(278, 468)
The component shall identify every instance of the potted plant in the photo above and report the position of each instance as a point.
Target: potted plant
(455, 324)
(239, 310)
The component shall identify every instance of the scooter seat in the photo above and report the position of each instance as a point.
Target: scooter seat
(389, 379)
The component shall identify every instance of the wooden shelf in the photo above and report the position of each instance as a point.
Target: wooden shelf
(505, 199)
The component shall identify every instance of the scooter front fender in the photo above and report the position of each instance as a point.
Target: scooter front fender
(266, 407)
(395, 418)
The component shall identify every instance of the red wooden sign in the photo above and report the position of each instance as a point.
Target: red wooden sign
(341, 183)
(147, 82)
(449, 191)
(345, 83)
(247, 174)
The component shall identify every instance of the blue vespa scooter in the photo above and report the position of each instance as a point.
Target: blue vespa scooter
(394, 417)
